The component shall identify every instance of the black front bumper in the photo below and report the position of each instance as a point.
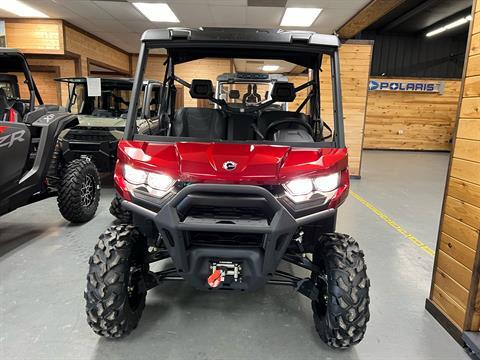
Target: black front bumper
(204, 224)
(101, 149)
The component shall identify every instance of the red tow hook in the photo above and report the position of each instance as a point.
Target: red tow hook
(215, 279)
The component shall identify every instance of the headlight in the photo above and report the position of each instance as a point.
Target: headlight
(156, 184)
(159, 181)
(326, 183)
(302, 189)
(299, 187)
(134, 176)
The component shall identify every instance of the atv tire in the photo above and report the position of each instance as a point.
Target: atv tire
(341, 311)
(115, 293)
(79, 191)
(124, 216)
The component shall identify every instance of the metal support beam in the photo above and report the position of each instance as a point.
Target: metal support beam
(416, 10)
(367, 16)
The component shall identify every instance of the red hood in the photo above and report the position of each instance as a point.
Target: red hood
(256, 163)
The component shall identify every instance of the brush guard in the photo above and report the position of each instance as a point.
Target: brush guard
(256, 259)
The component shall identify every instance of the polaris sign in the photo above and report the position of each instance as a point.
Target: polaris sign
(406, 86)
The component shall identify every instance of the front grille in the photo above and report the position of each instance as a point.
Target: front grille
(90, 136)
(226, 213)
(224, 239)
(84, 147)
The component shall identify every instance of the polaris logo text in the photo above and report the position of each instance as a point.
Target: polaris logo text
(377, 85)
(8, 140)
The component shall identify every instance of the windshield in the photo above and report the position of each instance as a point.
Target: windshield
(113, 101)
(7, 86)
(262, 100)
(245, 93)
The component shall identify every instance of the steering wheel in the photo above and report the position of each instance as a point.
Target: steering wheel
(275, 124)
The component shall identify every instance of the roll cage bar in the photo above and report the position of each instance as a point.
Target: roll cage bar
(111, 83)
(173, 39)
(14, 61)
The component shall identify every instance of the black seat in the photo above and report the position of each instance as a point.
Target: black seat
(20, 107)
(268, 117)
(4, 106)
(7, 112)
(202, 123)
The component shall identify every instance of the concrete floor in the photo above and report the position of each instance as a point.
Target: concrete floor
(43, 262)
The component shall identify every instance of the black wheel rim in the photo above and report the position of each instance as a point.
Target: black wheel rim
(321, 304)
(135, 286)
(87, 191)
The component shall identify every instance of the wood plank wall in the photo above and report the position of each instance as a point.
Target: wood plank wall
(355, 61)
(411, 121)
(43, 77)
(90, 48)
(66, 67)
(35, 36)
(454, 289)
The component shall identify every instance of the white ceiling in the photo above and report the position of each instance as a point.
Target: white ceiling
(119, 22)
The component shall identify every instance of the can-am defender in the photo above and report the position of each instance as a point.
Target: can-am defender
(32, 167)
(227, 194)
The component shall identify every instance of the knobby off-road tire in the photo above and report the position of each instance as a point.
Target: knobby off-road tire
(341, 312)
(115, 293)
(124, 216)
(79, 191)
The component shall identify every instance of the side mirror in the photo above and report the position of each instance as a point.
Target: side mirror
(201, 89)
(283, 92)
(234, 94)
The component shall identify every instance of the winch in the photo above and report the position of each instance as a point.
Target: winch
(221, 270)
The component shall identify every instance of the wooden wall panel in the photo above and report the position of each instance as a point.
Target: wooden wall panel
(48, 88)
(458, 248)
(155, 67)
(88, 47)
(66, 68)
(355, 61)
(35, 36)
(411, 121)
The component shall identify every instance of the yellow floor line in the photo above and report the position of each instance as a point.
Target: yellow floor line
(393, 224)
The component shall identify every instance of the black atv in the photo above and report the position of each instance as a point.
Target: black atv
(102, 115)
(32, 166)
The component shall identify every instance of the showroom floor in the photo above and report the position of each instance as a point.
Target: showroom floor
(43, 261)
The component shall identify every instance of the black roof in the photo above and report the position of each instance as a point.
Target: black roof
(298, 47)
(236, 35)
(12, 60)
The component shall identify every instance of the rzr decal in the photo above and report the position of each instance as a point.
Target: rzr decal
(3, 129)
(8, 140)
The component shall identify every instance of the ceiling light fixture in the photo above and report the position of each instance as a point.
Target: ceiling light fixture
(20, 9)
(452, 25)
(157, 12)
(270, 67)
(303, 17)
